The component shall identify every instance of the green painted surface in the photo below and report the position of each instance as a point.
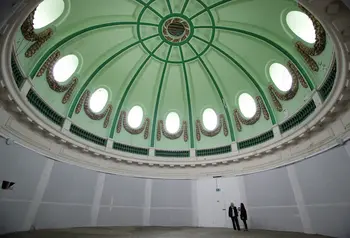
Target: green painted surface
(121, 47)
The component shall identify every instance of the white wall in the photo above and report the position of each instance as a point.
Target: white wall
(312, 196)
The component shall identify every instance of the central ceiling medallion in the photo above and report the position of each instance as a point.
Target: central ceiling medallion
(176, 29)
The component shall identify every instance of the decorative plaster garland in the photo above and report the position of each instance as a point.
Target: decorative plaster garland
(48, 68)
(319, 46)
(260, 107)
(84, 100)
(200, 129)
(290, 94)
(122, 122)
(161, 130)
(29, 34)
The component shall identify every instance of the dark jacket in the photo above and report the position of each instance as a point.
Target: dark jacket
(232, 212)
(244, 214)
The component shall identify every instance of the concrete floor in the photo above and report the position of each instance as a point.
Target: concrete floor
(155, 232)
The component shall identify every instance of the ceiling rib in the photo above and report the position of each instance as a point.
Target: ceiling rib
(190, 112)
(87, 82)
(271, 43)
(115, 120)
(158, 98)
(224, 102)
(78, 33)
(184, 7)
(208, 8)
(169, 6)
(148, 5)
(261, 91)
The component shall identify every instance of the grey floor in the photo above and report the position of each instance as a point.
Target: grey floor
(155, 232)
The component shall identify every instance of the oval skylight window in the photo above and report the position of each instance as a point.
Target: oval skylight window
(302, 26)
(210, 119)
(98, 100)
(47, 12)
(172, 122)
(65, 68)
(281, 77)
(135, 117)
(247, 105)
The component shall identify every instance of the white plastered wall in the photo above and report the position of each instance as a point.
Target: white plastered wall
(312, 196)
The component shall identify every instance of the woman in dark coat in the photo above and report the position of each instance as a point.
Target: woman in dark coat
(244, 216)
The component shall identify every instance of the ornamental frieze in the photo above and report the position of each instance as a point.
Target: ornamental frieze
(123, 123)
(200, 130)
(251, 121)
(277, 95)
(29, 34)
(319, 45)
(84, 102)
(162, 131)
(48, 67)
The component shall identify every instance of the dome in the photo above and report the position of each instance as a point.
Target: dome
(193, 86)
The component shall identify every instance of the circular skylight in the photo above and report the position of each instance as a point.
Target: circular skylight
(65, 68)
(281, 77)
(98, 100)
(172, 122)
(302, 26)
(47, 12)
(135, 117)
(210, 119)
(247, 105)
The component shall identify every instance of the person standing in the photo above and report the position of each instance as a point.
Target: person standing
(233, 214)
(244, 216)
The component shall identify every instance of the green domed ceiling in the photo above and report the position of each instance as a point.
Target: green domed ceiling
(166, 56)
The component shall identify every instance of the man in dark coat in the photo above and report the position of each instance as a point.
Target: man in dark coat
(233, 214)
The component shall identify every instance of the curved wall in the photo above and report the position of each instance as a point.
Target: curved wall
(312, 196)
